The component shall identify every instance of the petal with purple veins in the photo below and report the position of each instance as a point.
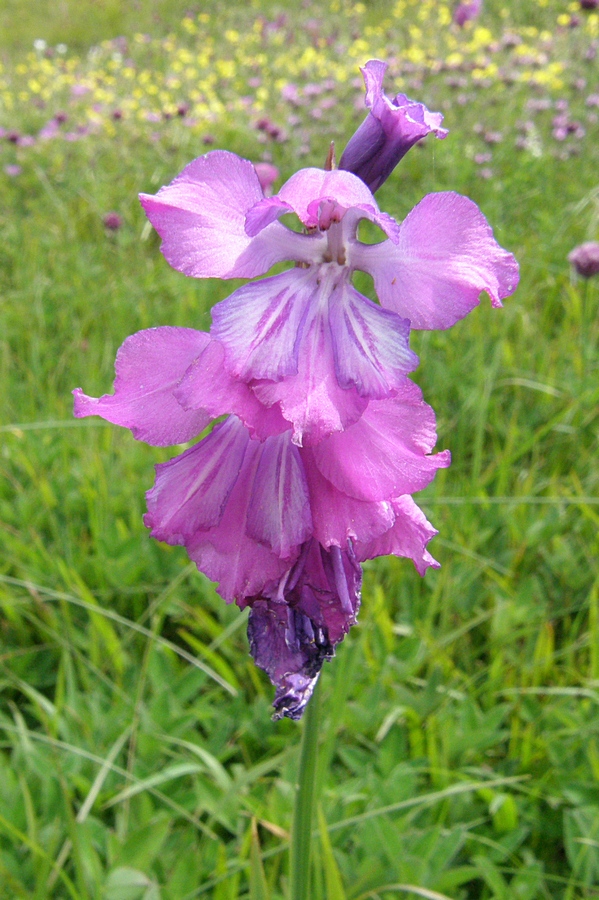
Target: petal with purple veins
(192, 489)
(279, 508)
(261, 324)
(313, 401)
(370, 344)
(242, 566)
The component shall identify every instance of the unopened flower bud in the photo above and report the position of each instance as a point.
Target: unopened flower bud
(585, 259)
(389, 130)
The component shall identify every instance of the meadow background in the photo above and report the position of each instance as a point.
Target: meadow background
(460, 741)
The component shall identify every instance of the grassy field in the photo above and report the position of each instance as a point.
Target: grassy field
(460, 743)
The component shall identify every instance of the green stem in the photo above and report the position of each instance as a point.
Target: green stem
(301, 830)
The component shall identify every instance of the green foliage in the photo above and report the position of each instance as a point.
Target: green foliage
(460, 740)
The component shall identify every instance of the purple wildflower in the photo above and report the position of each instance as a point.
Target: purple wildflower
(12, 169)
(267, 175)
(585, 259)
(112, 221)
(389, 130)
(326, 437)
(465, 12)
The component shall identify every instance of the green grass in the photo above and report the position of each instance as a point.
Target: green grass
(460, 720)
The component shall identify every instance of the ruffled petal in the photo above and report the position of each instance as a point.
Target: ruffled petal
(242, 566)
(192, 489)
(410, 533)
(208, 386)
(261, 324)
(383, 455)
(313, 401)
(445, 257)
(148, 366)
(201, 218)
(370, 344)
(337, 517)
(279, 509)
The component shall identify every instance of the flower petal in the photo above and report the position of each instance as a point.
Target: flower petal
(192, 489)
(207, 386)
(337, 517)
(409, 535)
(242, 566)
(383, 455)
(201, 216)
(261, 324)
(279, 509)
(294, 627)
(312, 186)
(313, 401)
(148, 366)
(370, 344)
(445, 257)
(284, 644)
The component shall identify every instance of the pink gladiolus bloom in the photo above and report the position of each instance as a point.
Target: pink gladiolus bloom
(306, 341)
(326, 438)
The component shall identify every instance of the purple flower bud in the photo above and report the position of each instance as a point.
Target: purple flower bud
(389, 130)
(112, 221)
(585, 259)
(589, 4)
(267, 175)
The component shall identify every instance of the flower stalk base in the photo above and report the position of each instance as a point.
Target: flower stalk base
(301, 830)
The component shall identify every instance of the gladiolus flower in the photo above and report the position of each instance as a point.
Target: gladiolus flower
(326, 438)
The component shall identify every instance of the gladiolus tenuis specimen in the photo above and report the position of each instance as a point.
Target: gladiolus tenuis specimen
(327, 437)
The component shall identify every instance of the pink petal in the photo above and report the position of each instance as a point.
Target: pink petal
(383, 455)
(370, 344)
(149, 365)
(408, 537)
(261, 324)
(313, 400)
(336, 517)
(201, 215)
(263, 213)
(319, 198)
(208, 386)
(279, 509)
(192, 489)
(226, 554)
(445, 257)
